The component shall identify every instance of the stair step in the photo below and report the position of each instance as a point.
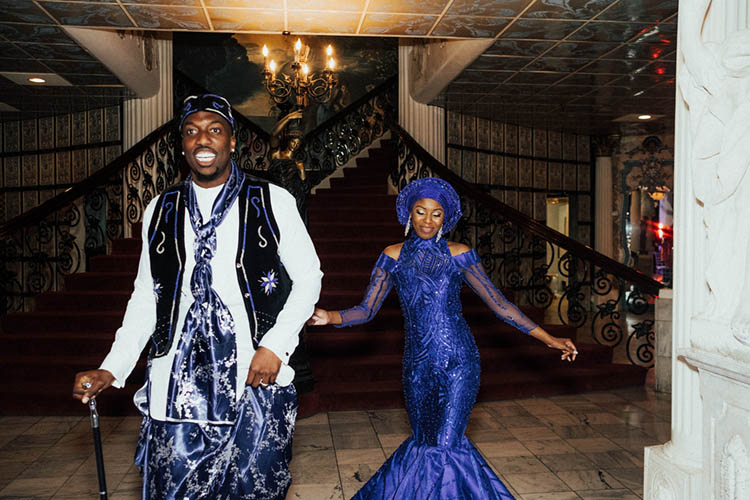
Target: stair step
(100, 281)
(126, 246)
(326, 214)
(378, 229)
(377, 189)
(62, 321)
(112, 263)
(83, 300)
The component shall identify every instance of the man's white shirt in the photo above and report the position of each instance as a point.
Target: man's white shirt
(298, 256)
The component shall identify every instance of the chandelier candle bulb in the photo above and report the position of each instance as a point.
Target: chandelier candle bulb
(265, 57)
(297, 49)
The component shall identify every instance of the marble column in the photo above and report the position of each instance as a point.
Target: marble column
(707, 457)
(142, 116)
(604, 148)
(425, 123)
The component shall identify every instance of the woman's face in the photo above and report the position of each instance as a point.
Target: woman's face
(426, 218)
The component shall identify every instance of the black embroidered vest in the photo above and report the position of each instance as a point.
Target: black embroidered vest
(263, 281)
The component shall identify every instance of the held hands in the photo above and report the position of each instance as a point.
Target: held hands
(89, 384)
(264, 368)
(320, 317)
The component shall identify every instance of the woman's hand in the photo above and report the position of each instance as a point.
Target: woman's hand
(320, 317)
(567, 347)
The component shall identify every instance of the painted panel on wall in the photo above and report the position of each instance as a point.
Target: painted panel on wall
(511, 171)
(569, 147)
(540, 143)
(555, 176)
(524, 141)
(12, 137)
(78, 128)
(483, 168)
(47, 133)
(511, 139)
(62, 130)
(28, 135)
(540, 174)
(231, 65)
(524, 172)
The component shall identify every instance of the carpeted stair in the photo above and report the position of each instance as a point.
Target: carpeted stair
(359, 367)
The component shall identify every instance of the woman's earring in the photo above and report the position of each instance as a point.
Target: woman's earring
(440, 234)
(408, 225)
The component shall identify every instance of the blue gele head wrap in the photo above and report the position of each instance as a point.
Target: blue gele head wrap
(207, 102)
(435, 189)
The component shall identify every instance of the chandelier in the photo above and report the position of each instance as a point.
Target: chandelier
(301, 86)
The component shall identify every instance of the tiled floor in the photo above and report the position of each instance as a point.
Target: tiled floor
(582, 447)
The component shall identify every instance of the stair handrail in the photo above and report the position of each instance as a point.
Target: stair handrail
(527, 223)
(336, 140)
(85, 186)
(341, 115)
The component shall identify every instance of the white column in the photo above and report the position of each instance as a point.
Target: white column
(604, 233)
(687, 467)
(425, 123)
(142, 116)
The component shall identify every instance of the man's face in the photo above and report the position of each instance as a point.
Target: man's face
(207, 142)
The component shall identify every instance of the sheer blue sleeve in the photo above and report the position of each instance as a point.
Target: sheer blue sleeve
(478, 280)
(377, 291)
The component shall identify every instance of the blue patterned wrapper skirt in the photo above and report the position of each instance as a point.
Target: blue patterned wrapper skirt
(247, 460)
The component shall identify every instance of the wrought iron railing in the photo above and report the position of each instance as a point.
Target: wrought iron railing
(332, 143)
(610, 300)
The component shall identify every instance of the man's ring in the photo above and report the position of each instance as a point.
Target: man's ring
(86, 385)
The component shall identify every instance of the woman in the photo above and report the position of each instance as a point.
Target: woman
(441, 360)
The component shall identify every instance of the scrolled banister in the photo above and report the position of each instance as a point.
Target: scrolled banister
(610, 299)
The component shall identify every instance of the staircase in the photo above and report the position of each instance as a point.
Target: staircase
(356, 368)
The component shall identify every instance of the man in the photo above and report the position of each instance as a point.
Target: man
(227, 277)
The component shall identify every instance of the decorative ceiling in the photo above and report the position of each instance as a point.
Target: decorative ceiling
(570, 64)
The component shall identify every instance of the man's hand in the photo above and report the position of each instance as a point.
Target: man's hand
(89, 384)
(264, 368)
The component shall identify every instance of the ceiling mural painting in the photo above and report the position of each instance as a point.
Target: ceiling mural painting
(232, 65)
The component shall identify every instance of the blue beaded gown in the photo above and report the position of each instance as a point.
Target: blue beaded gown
(440, 372)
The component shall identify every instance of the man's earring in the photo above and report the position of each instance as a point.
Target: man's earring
(183, 153)
(408, 225)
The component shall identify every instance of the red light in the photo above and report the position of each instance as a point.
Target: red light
(656, 53)
(660, 70)
(661, 226)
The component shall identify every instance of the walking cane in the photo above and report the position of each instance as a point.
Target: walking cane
(97, 446)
